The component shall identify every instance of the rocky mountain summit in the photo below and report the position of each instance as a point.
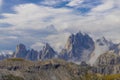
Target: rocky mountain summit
(78, 47)
(21, 51)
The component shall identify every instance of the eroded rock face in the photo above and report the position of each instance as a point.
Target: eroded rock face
(47, 52)
(78, 47)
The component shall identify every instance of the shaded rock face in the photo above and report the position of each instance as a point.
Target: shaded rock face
(78, 47)
(32, 55)
(47, 52)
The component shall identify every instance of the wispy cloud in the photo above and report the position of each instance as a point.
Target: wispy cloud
(106, 5)
(75, 3)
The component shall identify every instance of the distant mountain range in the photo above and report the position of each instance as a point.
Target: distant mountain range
(79, 47)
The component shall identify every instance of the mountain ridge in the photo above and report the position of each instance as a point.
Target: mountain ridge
(79, 47)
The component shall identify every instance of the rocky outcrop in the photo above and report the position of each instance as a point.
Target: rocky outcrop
(78, 47)
(108, 63)
(54, 69)
(108, 58)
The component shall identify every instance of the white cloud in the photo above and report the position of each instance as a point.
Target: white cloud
(58, 41)
(73, 3)
(37, 46)
(107, 5)
(31, 14)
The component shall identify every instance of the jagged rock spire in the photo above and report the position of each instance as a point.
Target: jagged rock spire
(47, 52)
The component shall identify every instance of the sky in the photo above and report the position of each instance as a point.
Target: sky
(35, 22)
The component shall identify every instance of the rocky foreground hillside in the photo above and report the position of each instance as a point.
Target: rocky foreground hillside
(20, 69)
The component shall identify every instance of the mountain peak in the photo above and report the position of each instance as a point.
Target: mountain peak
(21, 46)
(47, 52)
(78, 46)
(82, 33)
(21, 51)
(47, 45)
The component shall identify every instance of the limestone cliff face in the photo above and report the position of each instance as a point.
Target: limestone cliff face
(78, 47)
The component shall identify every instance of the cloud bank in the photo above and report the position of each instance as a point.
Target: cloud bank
(35, 24)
